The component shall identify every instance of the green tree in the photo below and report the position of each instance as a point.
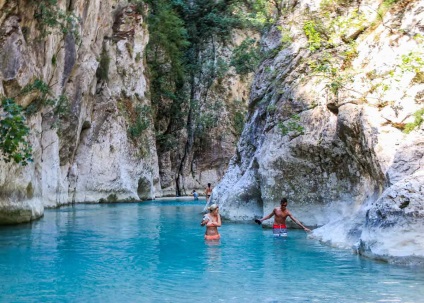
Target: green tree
(50, 17)
(182, 56)
(246, 57)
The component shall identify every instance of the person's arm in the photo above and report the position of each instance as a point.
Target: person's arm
(205, 220)
(217, 223)
(298, 222)
(268, 217)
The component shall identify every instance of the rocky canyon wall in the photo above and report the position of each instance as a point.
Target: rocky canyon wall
(94, 143)
(334, 117)
(79, 70)
(204, 149)
(334, 126)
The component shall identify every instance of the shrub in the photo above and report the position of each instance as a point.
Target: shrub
(418, 115)
(141, 123)
(50, 17)
(103, 69)
(311, 31)
(291, 125)
(238, 123)
(13, 134)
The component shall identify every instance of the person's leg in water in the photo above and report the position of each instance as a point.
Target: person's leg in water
(279, 230)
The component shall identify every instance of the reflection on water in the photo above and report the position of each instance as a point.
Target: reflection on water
(156, 252)
(213, 255)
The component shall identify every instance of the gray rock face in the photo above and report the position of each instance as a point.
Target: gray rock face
(202, 156)
(85, 153)
(99, 144)
(325, 129)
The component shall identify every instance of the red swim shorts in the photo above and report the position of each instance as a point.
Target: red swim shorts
(279, 226)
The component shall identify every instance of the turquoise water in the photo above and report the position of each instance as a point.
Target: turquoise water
(155, 252)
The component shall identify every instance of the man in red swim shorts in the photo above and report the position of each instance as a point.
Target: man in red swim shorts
(281, 213)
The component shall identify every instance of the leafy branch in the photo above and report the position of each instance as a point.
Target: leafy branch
(418, 120)
(13, 134)
(326, 68)
(292, 125)
(246, 57)
(49, 17)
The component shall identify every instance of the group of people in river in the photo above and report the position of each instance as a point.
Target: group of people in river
(212, 221)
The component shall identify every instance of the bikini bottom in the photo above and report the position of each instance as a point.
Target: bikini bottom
(212, 237)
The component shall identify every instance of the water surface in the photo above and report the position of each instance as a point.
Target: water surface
(155, 252)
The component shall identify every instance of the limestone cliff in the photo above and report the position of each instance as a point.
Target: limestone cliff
(79, 70)
(206, 145)
(334, 125)
(95, 142)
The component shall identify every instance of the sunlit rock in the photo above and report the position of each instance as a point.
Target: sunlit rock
(84, 153)
(328, 130)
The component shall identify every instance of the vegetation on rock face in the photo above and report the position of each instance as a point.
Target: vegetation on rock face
(50, 17)
(14, 145)
(103, 70)
(165, 59)
(182, 59)
(313, 32)
(13, 134)
(291, 126)
(332, 33)
(41, 100)
(418, 120)
(141, 121)
(329, 69)
(246, 57)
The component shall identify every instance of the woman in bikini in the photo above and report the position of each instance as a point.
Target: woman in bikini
(212, 222)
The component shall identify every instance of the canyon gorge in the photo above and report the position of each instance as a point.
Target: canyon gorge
(323, 104)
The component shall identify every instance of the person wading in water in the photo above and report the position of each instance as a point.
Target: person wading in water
(208, 192)
(212, 222)
(279, 228)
